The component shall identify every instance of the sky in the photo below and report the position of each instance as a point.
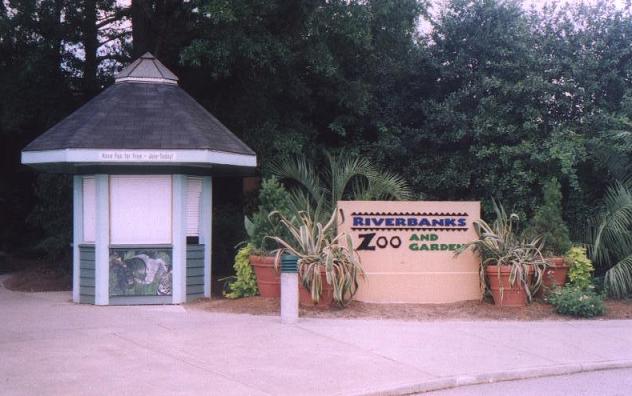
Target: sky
(436, 6)
(540, 3)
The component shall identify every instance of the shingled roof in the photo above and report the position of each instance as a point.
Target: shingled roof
(144, 110)
(133, 114)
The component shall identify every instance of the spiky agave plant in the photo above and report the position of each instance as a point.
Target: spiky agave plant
(318, 251)
(343, 176)
(499, 244)
(611, 239)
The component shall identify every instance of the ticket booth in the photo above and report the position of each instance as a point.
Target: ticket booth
(143, 154)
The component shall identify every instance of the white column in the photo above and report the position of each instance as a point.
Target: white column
(179, 239)
(206, 230)
(289, 297)
(77, 233)
(102, 241)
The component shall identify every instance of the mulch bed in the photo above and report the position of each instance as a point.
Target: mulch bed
(467, 310)
(36, 276)
(33, 275)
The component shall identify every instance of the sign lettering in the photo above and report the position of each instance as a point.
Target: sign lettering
(136, 156)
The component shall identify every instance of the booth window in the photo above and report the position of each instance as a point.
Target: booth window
(140, 210)
(89, 209)
(194, 190)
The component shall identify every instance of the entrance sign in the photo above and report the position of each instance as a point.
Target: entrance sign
(407, 250)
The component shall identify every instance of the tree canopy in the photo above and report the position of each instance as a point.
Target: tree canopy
(493, 100)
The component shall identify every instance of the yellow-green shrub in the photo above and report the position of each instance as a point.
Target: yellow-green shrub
(244, 283)
(580, 273)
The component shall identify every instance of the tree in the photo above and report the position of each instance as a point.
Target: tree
(548, 224)
(42, 79)
(162, 27)
(291, 77)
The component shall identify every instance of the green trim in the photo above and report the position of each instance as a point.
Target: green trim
(289, 263)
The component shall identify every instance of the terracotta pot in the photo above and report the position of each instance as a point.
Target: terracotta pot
(326, 296)
(509, 296)
(268, 279)
(555, 273)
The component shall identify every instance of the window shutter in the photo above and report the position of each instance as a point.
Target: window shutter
(194, 190)
(89, 209)
(140, 210)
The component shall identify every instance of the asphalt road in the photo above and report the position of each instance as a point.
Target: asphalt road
(602, 383)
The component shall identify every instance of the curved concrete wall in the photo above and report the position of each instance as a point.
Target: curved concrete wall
(407, 250)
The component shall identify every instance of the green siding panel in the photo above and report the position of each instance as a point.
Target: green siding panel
(83, 299)
(195, 289)
(195, 281)
(195, 254)
(83, 264)
(195, 263)
(86, 274)
(195, 271)
(86, 253)
(87, 291)
(86, 282)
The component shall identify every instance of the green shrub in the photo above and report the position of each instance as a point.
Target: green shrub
(548, 223)
(52, 215)
(272, 197)
(580, 272)
(228, 231)
(244, 283)
(576, 301)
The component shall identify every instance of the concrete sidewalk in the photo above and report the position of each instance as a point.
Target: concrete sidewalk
(51, 346)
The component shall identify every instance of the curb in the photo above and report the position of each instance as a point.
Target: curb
(499, 376)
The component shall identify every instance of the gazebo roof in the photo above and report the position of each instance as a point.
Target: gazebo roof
(143, 119)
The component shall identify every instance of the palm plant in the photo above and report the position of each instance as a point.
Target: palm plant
(318, 189)
(499, 244)
(318, 252)
(611, 239)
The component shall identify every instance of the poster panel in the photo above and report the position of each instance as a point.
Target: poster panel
(140, 272)
(407, 249)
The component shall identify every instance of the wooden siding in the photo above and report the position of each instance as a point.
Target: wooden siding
(195, 272)
(86, 274)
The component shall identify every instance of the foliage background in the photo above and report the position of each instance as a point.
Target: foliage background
(494, 100)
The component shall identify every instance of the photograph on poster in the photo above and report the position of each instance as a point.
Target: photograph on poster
(140, 272)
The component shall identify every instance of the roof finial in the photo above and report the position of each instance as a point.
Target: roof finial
(147, 69)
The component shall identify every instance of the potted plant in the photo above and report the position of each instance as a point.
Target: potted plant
(272, 197)
(511, 267)
(328, 266)
(548, 223)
